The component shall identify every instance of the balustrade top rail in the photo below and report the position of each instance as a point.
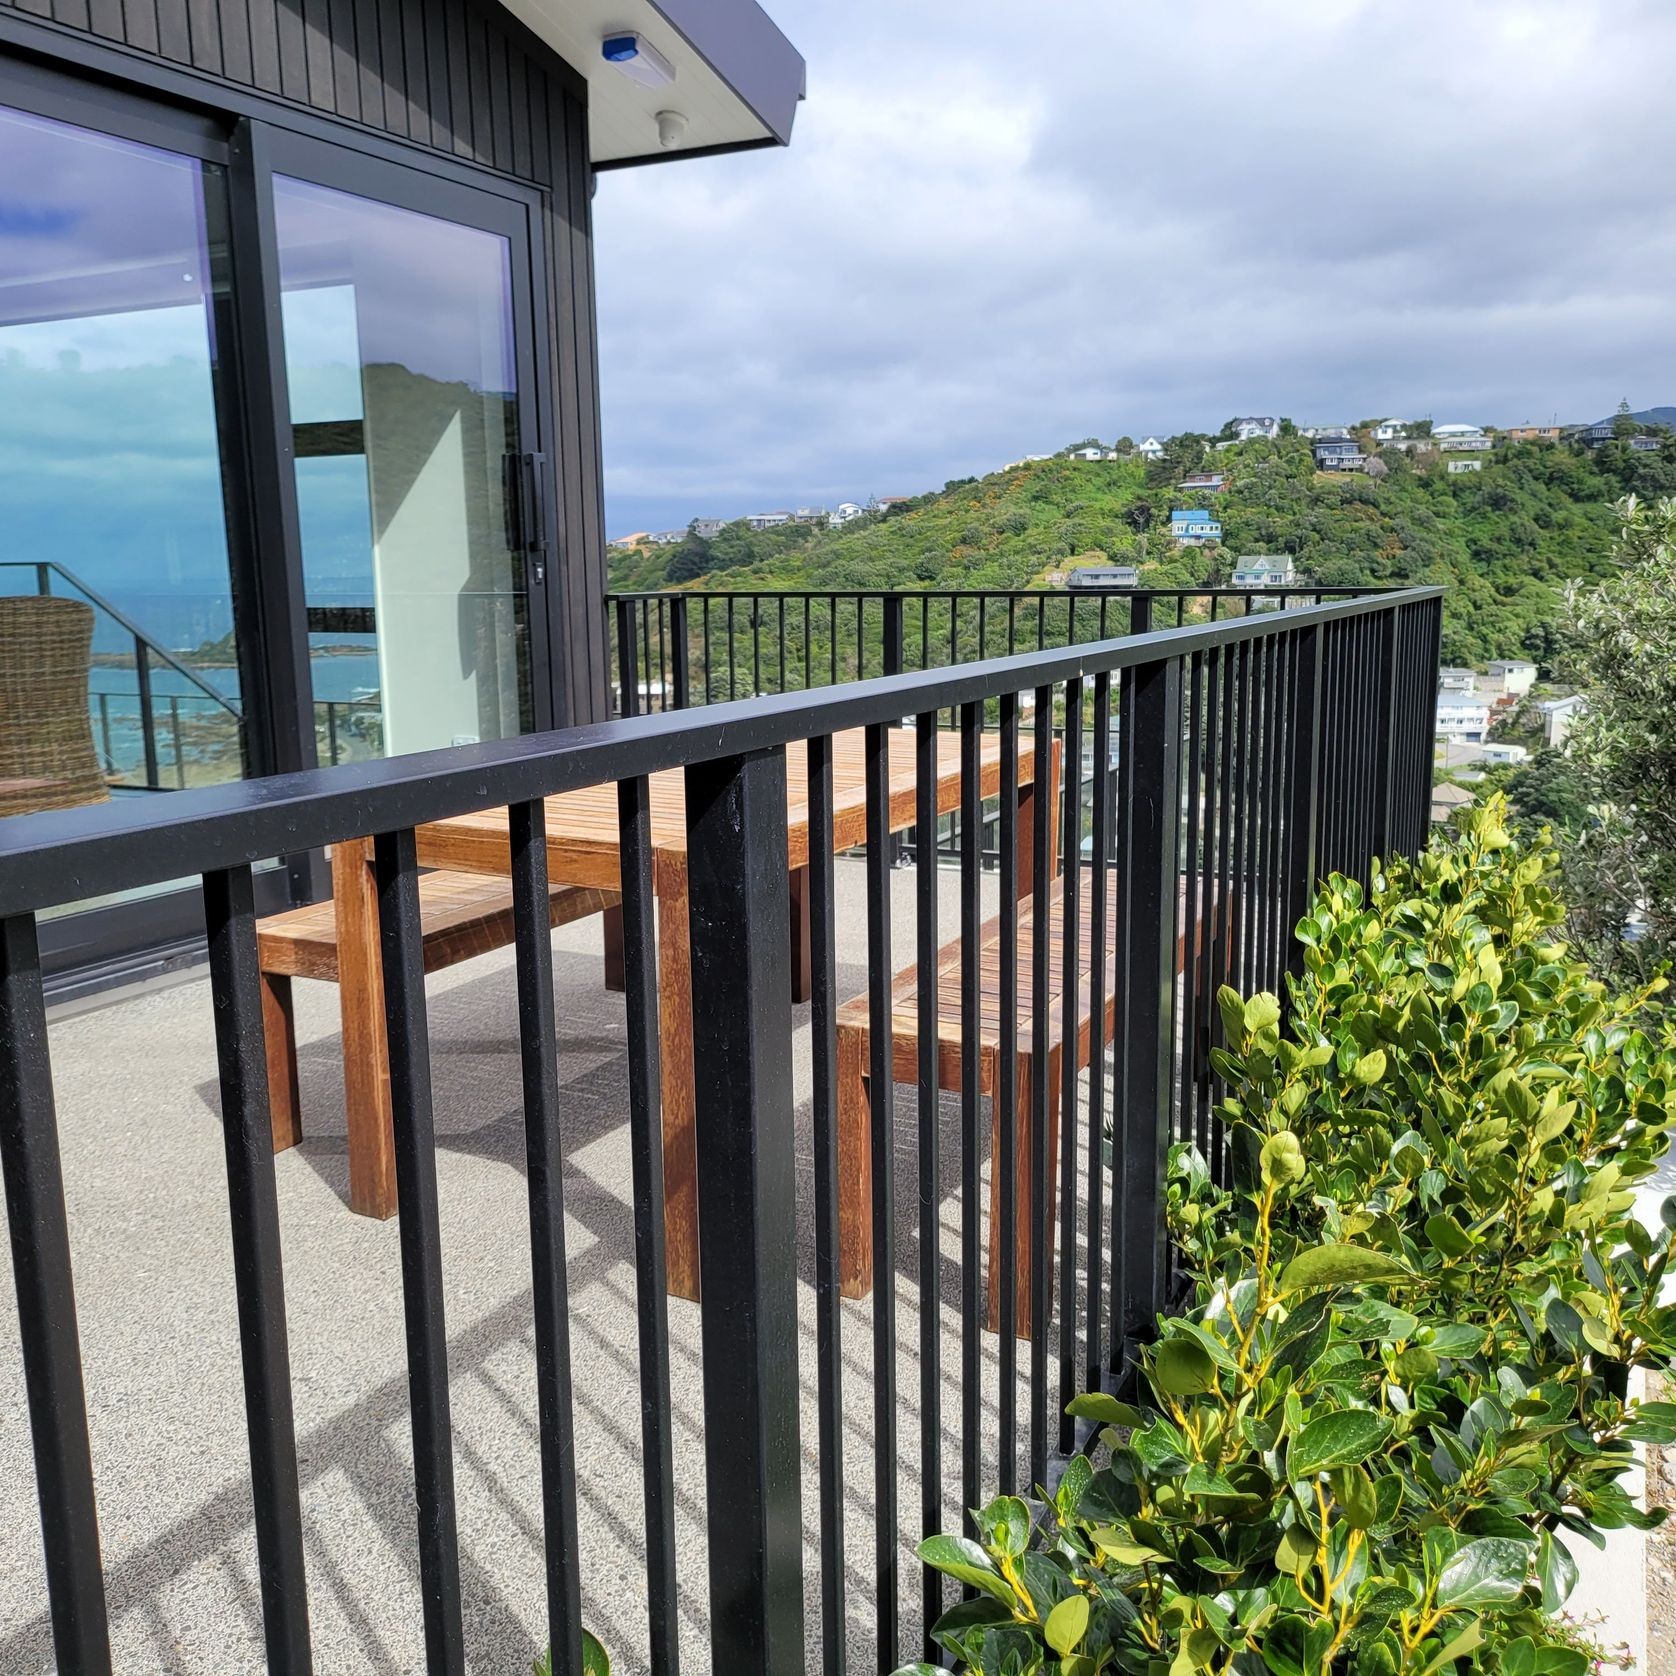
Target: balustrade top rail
(1233, 763)
(64, 855)
(673, 648)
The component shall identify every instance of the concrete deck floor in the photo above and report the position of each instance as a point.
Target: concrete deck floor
(145, 1182)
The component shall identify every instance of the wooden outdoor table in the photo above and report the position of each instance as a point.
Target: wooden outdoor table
(583, 848)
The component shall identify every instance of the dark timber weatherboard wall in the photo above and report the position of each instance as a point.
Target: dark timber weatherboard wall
(454, 78)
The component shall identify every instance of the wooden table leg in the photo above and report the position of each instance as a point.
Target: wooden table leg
(675, 1047)
(279, 1035)
(1023, 1157)
(802, 959)
(366, 1057)
(855, 1166)
(616, 975)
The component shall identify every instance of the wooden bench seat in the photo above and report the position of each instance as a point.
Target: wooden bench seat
(461, 915)
(855, 1169)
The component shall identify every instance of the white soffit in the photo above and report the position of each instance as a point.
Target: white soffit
(622, 115)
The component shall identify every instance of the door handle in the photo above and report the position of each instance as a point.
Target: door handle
(526, 527)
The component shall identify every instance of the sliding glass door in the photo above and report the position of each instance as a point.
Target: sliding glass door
(271, 468)
(119, 667)
(407, 360)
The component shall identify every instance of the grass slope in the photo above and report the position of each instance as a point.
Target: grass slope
(1503, 540)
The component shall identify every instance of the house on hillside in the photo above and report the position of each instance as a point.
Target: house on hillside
(1266, 570)
(1104, 576)
(1460, 438)
(1457, 680)
(768, 520)
(1390, 430)
(668, 538)
(1517, 675)
(1247, 428)
(1532, 433)
(1203, 483)
(1558, 717)
(1093, 454)
(1462, 716)
(1194, 527)
(847, 512)
(1456, 467)
(1446, 799)
(809, 515)
(886, 502)
(708, 528)
(1339, 454)
(1644, 444)
(1150, 448)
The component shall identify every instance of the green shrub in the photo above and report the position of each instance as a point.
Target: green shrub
(594, 1661)
(1400, 1383)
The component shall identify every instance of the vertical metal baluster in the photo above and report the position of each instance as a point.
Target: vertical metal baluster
(930, 1163)
(1148, 1034)
(808, 642)
(983, 626)
(1012, 624)
(741, 963)
(756, 645)
(401, 946)
(1039, 1300)
(709, 648)
(646, 648)
(829, 1347)
(651, 1282)
(1211, 897)
(1003, 1244)
(883, 1146)
(663, 657)
(1070, 1035)
(1227, 882)
(1124, 794)
(1304, 771)
(860, 637)
(971, 1135)
(1191, 902)
(832, 636)
(46, 1311)
(258, 1274)
(732, 683)
(544, 1169)
(1099, 943)
(1240, 915)
(782, 604)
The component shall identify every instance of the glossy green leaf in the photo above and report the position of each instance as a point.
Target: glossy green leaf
(1340, 1265)
(1182, 1367)
(1066, 1625)
(1488, 1572)
(962, 1559)
(1337, 1439)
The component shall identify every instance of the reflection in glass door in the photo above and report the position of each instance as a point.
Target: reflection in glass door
(118, 672)
(416, 504)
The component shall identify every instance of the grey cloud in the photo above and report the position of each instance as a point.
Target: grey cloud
(991, 236)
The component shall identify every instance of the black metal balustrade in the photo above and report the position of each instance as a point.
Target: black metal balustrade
(678, 648)
(1232, 765)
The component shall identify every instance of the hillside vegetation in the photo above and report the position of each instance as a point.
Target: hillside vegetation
(1503, 540)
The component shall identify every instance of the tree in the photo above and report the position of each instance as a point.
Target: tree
(1623, 422)
(1623, 651)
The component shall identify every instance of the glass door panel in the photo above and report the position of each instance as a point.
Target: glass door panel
(118, 671)
(402, 352)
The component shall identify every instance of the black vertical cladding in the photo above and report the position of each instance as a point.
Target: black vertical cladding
(971, 1007)
(467, 81)
(736, 846)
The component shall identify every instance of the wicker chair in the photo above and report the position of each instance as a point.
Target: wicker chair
(47, 757)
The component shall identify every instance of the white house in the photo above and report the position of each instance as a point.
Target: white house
(847, 512)
(1558, 715)
(1516, 675)
(768, 520)
(1104, 576)
(709, 528)
(1265, 570)
(1495, 750)
(1462, 716)
(1150, 448)
(1455, 680)
(1246, 429)
(809, 515)
(1460, 438)
(669, 538)
(1092, 454)
(1457, 467)
(1390, 430)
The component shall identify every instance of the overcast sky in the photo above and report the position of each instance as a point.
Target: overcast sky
(1003, 227)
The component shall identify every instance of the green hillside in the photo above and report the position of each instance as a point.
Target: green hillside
(1504, 540)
